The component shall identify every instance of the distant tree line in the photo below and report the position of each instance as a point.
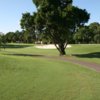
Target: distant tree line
(18, 37)
(85, 34)
(88, 34)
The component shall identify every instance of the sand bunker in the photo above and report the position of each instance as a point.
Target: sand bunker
(50, 46)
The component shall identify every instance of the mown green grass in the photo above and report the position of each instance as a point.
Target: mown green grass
(35, 78)
(87, 52)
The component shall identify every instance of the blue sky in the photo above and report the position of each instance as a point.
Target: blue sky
(92, 6)
(11, 12)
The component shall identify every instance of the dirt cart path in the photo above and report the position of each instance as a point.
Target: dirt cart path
(87, 64)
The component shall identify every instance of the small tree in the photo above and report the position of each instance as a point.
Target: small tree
(95, 30)
(0, 41)
(97, 38)
(83, 35)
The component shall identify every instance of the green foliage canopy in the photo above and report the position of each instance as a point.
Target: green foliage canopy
(59, 19)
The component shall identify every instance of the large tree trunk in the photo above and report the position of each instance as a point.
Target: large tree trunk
(62, 52)
(61, 49)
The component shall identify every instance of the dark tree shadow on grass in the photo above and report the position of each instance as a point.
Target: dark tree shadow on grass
(15, 46)
(26, 55)
(89, 55)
